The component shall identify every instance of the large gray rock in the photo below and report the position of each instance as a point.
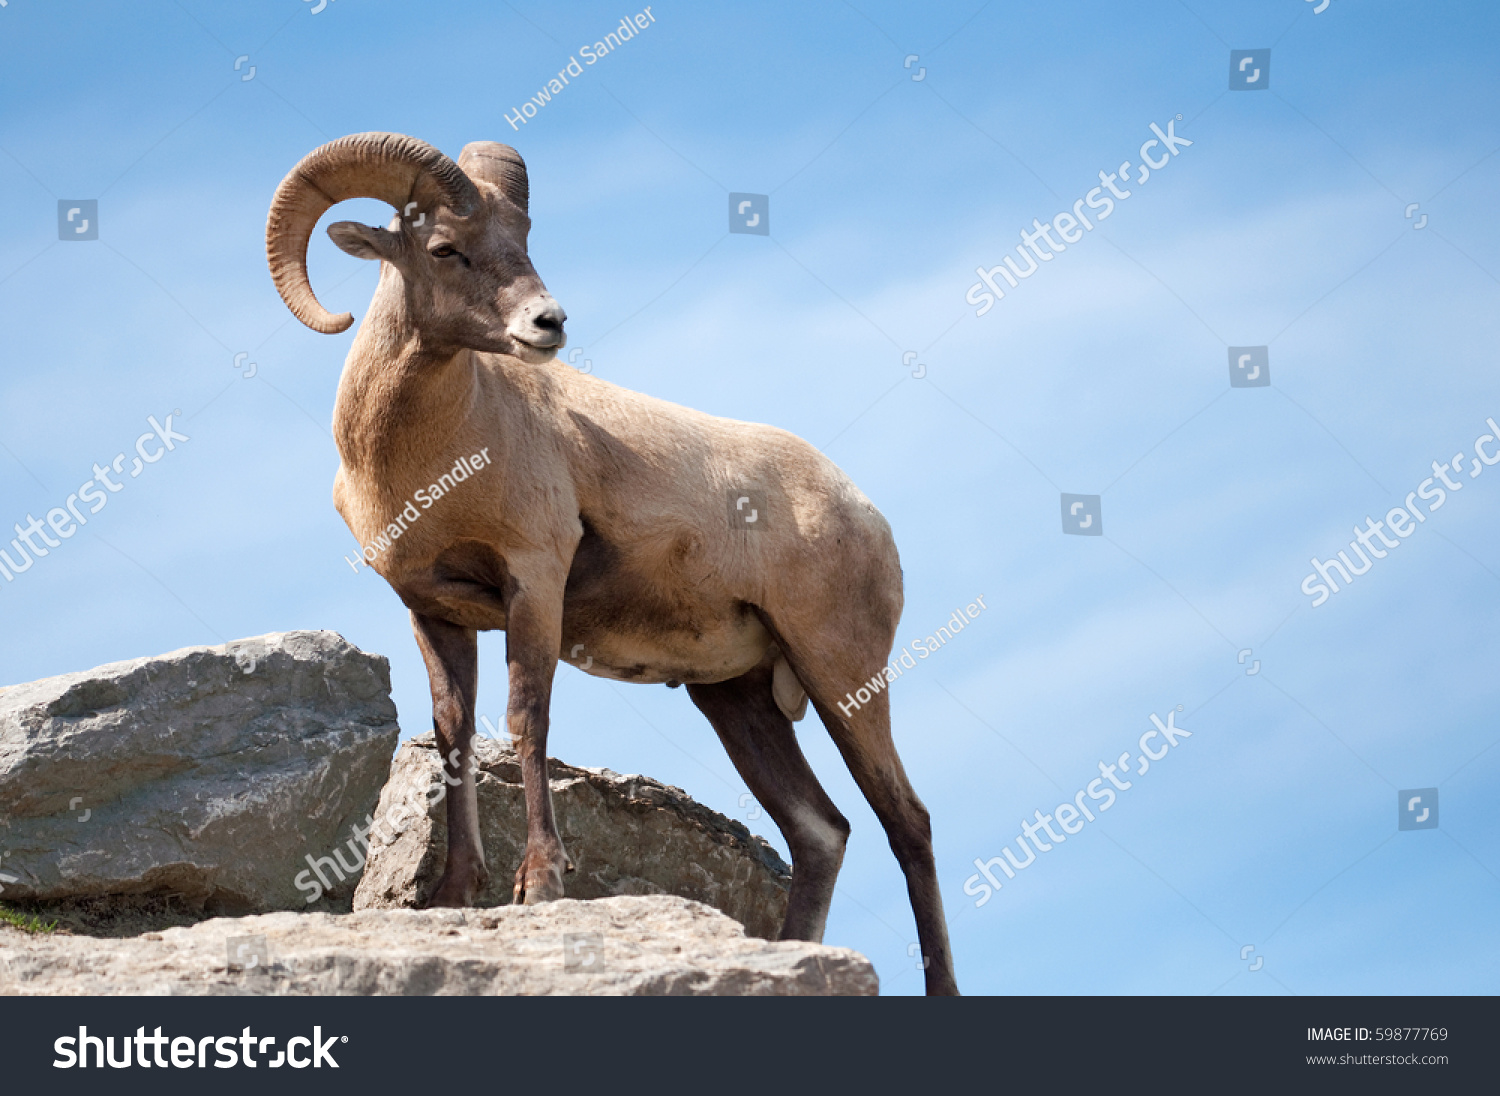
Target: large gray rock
(648, 946)
(624, 834)
(207, 774)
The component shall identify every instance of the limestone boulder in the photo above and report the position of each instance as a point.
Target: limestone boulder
(207, 774)
(626, 835)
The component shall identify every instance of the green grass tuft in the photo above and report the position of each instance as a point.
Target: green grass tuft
(26, 922)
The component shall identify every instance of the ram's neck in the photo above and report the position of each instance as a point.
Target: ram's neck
(400, 400)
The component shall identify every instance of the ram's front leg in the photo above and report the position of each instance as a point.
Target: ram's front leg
(451, 653)
(533, 636)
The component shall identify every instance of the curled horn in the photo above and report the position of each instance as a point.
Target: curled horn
(385, 166)
(500, 165)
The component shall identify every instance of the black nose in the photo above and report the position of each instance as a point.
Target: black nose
(547, 322)
(540, 324)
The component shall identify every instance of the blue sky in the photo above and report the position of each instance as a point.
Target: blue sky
(1283, 225)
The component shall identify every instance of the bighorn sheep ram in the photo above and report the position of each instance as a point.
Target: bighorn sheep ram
(601, 522)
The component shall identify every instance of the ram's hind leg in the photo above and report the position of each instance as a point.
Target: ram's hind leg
(834, 654)
(763, 746)
(864, 738)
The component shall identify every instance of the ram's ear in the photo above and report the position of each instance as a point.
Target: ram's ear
(364, 241)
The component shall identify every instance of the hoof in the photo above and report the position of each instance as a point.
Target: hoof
(539, 883)
(455, 892)
(454, 897)
(941, 985)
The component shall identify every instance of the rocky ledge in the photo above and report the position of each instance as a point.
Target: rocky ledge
(649, 946)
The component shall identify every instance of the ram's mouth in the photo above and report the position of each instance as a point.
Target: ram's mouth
(536, 353)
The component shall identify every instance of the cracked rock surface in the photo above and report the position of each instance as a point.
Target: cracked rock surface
(658, 945)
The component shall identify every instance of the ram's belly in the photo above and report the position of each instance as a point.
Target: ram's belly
(641, 604)
(704, 648)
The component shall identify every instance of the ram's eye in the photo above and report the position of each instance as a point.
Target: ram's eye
(442, 252)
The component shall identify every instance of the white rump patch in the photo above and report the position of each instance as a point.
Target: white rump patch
(790, 696)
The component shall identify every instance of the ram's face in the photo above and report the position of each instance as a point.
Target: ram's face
(455, 254)
(467, 281)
